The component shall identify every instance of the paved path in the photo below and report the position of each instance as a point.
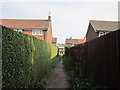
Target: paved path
(58, 77)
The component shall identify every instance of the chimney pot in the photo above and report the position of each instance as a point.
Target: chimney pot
(49, 16)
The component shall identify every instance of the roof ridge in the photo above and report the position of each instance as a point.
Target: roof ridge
(27, 19)
(102, 21)
(25, 23)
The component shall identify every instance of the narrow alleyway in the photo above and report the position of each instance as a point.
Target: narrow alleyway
(58, 78)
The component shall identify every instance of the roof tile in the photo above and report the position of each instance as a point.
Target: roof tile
(105, 25)
(25, 23)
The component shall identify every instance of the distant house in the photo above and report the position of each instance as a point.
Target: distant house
(54, 41)
(99, 28)
(70, 41)
(41, 29)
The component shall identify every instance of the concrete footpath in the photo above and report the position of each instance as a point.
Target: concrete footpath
(58, 78)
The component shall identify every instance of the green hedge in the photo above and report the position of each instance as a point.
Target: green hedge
(25, 59)
(53, 51)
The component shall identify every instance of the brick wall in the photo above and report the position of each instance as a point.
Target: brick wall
(49, 34)
(91, 34)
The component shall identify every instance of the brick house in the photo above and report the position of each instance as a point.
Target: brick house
(99, 28)
(70, 41)
(54, 41)
(41, 29)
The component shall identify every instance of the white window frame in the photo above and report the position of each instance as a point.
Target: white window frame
(101, 34)
(37, 32)
(15, 29)
(20, 30)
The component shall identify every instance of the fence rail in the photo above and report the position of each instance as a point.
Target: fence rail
(101, 58)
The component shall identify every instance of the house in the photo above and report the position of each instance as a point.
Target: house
(41, 29)
(54, 41)
(72, 42)
(99, 28)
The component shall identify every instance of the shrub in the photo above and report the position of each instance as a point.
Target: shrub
(77, 81)
(25, 60)
(53, 51)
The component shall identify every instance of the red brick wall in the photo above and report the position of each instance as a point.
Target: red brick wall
(49, 34)
(91, 34)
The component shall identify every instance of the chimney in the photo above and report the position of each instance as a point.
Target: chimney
(49, 16)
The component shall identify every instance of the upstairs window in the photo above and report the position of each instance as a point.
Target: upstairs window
(19, 30)
(101, 34)
(15, 29)
(36, 32)
(106, 32)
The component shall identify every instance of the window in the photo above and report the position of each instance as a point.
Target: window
(36, 32)
(101, 34)
(106, 32)
(20, 30)
(15, 29)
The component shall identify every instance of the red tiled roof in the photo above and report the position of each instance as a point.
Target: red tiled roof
(75, 41)
(81, 40)
(25, 23)
(71, 41)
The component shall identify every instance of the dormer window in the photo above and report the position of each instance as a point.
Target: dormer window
(36, 32)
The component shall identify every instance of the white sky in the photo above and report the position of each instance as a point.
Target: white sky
(70, 18)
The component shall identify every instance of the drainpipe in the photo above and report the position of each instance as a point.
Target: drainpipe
(45, 35)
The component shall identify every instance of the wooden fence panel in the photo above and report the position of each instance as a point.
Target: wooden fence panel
(101, 57)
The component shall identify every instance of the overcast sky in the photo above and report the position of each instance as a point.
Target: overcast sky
(70, 18)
